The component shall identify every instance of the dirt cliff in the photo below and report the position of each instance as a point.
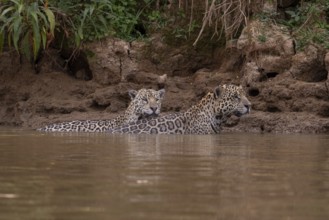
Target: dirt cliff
(289, 90)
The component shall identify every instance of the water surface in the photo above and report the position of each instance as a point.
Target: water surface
(106, 176)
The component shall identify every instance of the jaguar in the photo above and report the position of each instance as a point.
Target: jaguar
(206, 117)
(144, 103)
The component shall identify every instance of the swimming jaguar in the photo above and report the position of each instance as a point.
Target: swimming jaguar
(206, 117)
(144, 103)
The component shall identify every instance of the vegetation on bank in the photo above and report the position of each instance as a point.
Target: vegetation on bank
(30, 26)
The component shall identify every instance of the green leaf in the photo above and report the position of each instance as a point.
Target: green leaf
(16, 2)
(77, 39)
(7, 23)
(51, 19)
(44, 37)
(42, 19)
(36, 40)
(91, 10)
(6, 11)
(26, 46)
(84, 14)
(20, 8)
(102, 20)
(35, 17)
(80, 32)
(16, 36)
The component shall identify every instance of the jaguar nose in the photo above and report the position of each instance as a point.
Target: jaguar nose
(154, 109)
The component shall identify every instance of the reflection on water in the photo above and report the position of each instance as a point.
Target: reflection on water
(104, 176)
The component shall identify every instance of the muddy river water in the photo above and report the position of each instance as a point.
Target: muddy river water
(104, 176)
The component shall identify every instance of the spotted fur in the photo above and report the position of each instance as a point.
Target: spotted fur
(144, 103)
(204, 118)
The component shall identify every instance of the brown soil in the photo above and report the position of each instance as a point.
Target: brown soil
(284, 98)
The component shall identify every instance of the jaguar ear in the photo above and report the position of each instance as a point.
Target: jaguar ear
(162, 92)
(217, 92)
(132, 93)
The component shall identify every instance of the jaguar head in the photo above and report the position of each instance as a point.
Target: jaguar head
(146, 102)
(232, 100)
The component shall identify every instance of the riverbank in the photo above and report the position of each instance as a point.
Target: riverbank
(289, 90)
